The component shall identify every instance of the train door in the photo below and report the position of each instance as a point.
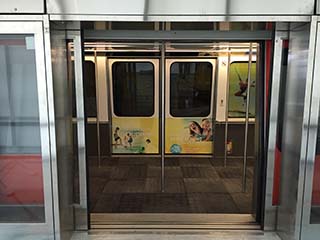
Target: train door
(190, 100)
(134, 86)
(176, 160)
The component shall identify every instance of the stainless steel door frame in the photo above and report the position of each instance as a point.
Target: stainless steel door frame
(270, 210)
(311, 231)
(81, 209)
(296, 113)
(37, 230)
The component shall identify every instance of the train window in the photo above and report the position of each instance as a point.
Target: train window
(190, 89)
(238, 90)
(90, 88)
(133, 89)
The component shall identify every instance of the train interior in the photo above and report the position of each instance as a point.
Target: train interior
(173, 129)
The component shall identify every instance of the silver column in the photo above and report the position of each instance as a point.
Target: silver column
(81, 219)
(227, 110)
(270, 210)
(245, 150)
(163, 52)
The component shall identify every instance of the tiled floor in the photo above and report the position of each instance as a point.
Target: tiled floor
(192, 185)
(178, 236)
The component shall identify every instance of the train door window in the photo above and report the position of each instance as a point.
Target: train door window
(190, 89)
(133, 89)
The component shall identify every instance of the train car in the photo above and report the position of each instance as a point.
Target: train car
(159, 115)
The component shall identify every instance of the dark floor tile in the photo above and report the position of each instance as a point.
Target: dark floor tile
(200, 185)
(166, 203)
(234, 185)
(149, 161)
(119, 172)
(107, 203)
(96, 186)
(191, 172)
(153, 172)
(230, 172)
(212, 203)
(195, 162)
(131, 203)
(172, 185)
(169, 162)
(243, 201)
(173, 172)
(153, 185)
(139, 171)
(209, 173)
(125, 186)
(103, 171)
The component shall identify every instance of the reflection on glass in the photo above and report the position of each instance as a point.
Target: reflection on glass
(315, 202)
(21, 181)
(133, 89)
(89, 89)
(238, 89)
(190, 89)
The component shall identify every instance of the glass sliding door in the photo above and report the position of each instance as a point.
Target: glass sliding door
(25, 186)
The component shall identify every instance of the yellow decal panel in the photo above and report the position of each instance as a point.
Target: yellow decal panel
(188, 136)
(134, 135)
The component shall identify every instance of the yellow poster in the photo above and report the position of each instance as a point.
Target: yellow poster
(188, 136)
(134, 135)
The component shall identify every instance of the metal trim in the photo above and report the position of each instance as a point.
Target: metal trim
(181, 18)
(146, 35)
(22, 17)
(162, 112)
(245, 148)
(270, 210)
(308, 230)
(227, 111)
(81, 212)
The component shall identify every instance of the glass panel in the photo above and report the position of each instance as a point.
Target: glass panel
(90, 88)
(133, 89)
(238, 89)
(190, 89)
(21, 180)
(315, 202)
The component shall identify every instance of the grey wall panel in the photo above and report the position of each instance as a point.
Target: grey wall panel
(288, 211)
(182, 7)
(22, 6)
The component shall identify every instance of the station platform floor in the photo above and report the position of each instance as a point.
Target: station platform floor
(162, 235)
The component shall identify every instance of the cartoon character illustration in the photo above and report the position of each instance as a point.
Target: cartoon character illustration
(206, 130)
(117, 138)
(195, 131)
(243, 86)
(130, 139)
